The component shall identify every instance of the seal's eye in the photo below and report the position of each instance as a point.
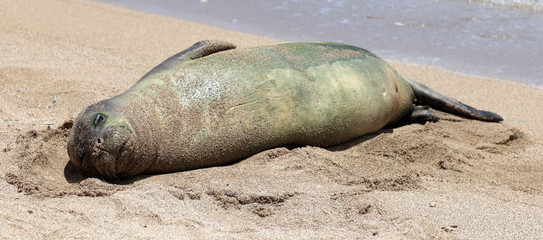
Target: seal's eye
(98, 119)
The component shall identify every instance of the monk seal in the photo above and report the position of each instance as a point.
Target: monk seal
(212, 104)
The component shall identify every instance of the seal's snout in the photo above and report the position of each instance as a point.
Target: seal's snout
(112, 139)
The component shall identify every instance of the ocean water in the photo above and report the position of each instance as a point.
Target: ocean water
(496, 38)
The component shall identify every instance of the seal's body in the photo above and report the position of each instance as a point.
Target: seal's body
(210, 105)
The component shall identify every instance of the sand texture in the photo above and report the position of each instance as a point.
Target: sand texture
(453, 179)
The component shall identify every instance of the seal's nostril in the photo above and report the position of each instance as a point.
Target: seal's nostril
(81, 159)
(99, 140)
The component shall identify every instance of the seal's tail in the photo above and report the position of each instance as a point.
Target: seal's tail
(440, 102)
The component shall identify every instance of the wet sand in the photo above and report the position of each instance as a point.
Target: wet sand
(454, 179)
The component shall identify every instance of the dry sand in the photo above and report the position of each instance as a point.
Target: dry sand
(454, 179)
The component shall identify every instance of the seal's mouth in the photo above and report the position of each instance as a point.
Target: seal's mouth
(110, 153)
(120, 159)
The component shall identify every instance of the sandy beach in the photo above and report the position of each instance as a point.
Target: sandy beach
(453, 179)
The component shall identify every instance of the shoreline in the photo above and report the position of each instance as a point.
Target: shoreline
(453, 179)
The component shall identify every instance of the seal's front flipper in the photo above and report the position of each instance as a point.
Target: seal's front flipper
(440, 102)
(202, 49)
(198, 50)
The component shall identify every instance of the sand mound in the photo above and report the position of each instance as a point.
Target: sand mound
(392, 159)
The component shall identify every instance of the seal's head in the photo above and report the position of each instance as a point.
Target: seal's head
(100, 143)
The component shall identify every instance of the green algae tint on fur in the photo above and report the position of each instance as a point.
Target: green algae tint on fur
(210, 105)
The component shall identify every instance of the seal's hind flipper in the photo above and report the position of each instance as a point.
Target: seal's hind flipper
(198, 50)
(422, 114)
(440, 102)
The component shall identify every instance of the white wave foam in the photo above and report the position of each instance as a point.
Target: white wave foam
(536, 5)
